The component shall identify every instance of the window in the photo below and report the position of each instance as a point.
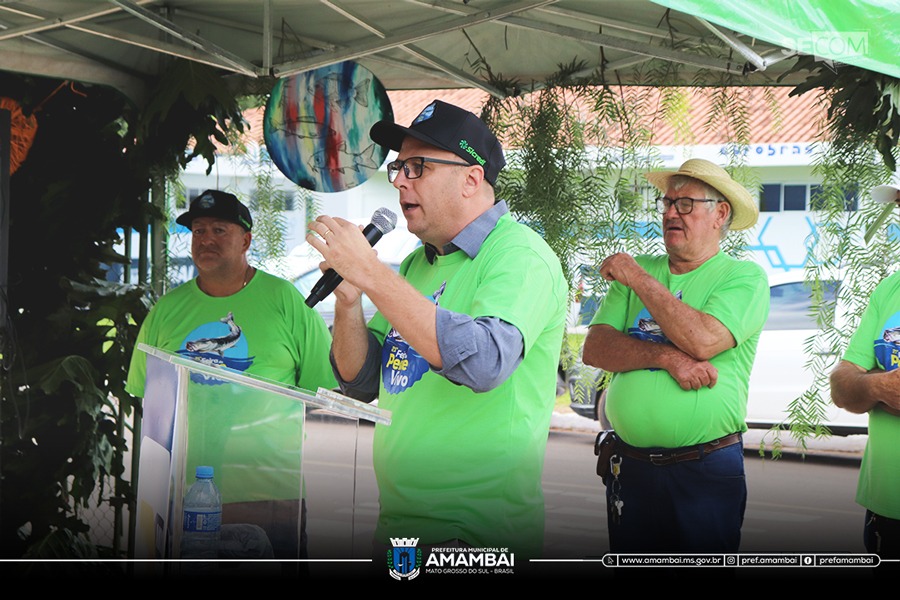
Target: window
(289, 199)
(851, 198)
(794, 197)
(182, 202)
(770, 200)
(783, 197)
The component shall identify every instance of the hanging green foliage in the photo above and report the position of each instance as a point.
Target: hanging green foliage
(854, 246)
(865, 105)
(842, 256)
(71, 331)
(190, 108)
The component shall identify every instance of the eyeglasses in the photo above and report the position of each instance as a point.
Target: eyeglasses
(412, 166)
(683, 206)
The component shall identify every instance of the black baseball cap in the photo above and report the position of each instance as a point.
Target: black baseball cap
(218, 205)
(450, 128)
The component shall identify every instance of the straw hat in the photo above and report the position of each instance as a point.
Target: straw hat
(744, 207)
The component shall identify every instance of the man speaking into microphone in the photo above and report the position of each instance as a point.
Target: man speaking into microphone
(464, 347)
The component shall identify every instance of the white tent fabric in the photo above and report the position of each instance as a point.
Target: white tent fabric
(500, 46)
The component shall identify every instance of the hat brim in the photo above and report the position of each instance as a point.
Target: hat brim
(885, 194)
(185, 219)
(744, 207)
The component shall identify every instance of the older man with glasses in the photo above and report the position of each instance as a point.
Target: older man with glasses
(679, 333)
(464, 348)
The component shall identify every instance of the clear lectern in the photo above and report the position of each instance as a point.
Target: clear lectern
(277, 452)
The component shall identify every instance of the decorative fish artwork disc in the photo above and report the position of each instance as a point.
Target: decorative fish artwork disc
(316, 126)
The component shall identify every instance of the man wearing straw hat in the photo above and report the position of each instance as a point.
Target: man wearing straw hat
(679, 332)
(868, 380)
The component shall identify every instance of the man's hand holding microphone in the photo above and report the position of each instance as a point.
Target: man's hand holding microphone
(347, 251)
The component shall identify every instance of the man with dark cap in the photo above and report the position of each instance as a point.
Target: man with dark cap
(679, 332)
(464, 348)
(867, 380)
(235, 315)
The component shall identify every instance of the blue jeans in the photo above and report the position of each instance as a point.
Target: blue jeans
(693, 506)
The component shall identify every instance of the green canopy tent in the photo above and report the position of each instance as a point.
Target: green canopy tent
(855, 32)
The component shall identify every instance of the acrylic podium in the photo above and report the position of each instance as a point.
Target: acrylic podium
(270, 445)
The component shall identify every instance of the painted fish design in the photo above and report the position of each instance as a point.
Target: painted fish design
(218, 344)
(330, 89)
(306, 128)
(346, 160)
(436, 296)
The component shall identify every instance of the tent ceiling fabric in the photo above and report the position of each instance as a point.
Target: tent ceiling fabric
(407, 44)
(861, 33)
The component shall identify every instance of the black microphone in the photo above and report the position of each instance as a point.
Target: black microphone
(383, 221)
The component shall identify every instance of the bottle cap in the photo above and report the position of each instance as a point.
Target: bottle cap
(205, 472)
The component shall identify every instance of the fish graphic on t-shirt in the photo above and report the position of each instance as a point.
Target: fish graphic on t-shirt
(649, 326)
(892, 335)
(217, 344)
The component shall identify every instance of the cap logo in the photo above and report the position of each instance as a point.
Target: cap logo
(470, 150)
(206, 201)
(426, 114)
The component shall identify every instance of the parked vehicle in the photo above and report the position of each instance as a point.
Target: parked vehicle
(779, 372)
(587, 391)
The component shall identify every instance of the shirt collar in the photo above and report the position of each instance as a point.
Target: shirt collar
(471, 238)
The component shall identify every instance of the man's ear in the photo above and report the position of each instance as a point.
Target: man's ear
(724, 209)
(474, 180)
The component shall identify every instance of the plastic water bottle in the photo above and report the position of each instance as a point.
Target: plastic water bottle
(202, 517)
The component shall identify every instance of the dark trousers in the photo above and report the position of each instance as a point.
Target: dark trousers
(687, 507)
(881, 536)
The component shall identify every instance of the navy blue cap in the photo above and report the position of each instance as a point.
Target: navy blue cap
(449, 128)
(218, 205)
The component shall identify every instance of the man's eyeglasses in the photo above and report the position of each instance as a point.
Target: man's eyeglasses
(683, 206)
(412, 166)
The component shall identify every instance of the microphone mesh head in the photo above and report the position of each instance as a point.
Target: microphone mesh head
(384, 220)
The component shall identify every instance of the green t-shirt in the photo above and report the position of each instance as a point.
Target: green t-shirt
(459, 464)
(266, 330)
(647, 407)
(876, 344)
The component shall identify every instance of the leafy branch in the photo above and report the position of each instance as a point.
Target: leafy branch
(865, 105)
(189, 108)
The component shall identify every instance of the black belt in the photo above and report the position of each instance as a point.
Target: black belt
(664, 456)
